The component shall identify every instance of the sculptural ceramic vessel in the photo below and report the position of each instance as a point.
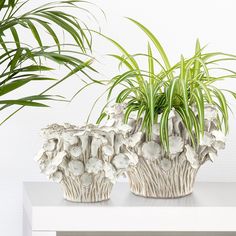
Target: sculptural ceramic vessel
(86, 161)
(159, 174)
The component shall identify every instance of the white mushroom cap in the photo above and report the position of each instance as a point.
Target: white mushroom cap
(108, 150)
(76, 167)
(57, 176)
(52, 131)
(134, 139)
(210, 113)
(121, 161)
(110, 172)
(219, 135)
(75, 150)
(94, 165)
(207, 139)
(176, 145)
(124, 128)
(57, 160)
(69, 136)
(49, 169)
(133, 157)
(49, 145)
(151, 150)
(86, 179)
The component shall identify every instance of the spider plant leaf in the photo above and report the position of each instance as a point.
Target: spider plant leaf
(206, 92)
(199, 101)
(118, 80)
(130, 108)
(196, 62)
(164, 128)
(150, 63)
(184, 84)
(155, 42)
(122, 61)
(171, 92)
(223, 105)
(101, 117)
(196, 126)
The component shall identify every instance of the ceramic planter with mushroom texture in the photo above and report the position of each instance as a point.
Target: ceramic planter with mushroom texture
(86, 161)
(160, 174)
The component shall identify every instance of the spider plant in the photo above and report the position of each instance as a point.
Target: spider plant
(21, 63)
(188, 85)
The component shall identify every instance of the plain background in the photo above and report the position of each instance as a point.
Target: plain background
(177, 24)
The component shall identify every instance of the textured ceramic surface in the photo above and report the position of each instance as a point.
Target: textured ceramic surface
(160, 174)
(87, 160)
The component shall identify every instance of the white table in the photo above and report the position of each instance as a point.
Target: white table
(211, 208)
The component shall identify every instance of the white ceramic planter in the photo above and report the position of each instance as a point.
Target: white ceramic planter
(86, 161)
(159, 174)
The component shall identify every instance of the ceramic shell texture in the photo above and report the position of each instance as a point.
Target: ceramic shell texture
(86, 161)
(160, 174)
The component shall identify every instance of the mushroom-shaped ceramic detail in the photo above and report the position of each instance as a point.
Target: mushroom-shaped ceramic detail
(207, 139)
(219, 139)
(133, 157)
(94, 165)
(108, 151)
(134, 139)
(75, 151)
(83, 159)
(115, 111)
(210, 113)
(76, 167)
(57, 176)
(52, 131)
(86, 179)
(121, 161)
(49, 169)
(191, 156)
(110, 172)
(57, 160)
(151, 150)
(50, 145)
(176, 145)
(69, 137)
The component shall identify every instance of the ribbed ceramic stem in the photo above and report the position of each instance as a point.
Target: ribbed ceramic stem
(149, 180)
(97, 191)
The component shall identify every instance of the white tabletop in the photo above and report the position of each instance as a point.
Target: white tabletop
(212, 207)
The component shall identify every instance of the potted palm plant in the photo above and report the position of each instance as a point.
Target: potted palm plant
(24, 63)
(178, 116)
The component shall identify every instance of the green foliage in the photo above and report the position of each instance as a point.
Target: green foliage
(21, 64)
(187, 85)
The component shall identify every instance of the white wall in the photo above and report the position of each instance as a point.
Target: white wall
(177, 23)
